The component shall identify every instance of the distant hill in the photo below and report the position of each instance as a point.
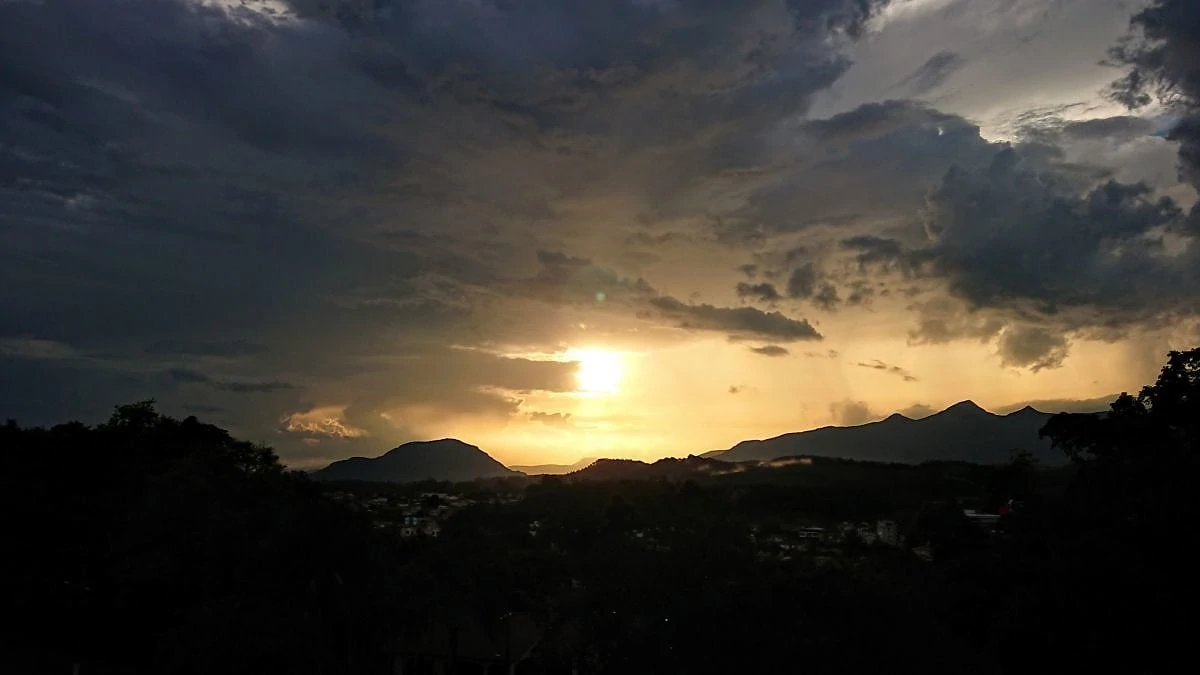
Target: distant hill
(447, 459)
(963, 432)
(553, 469)
(669, 468)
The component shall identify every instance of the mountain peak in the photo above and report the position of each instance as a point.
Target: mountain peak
(967, 407)
(1027, 410)
(897, 417)
(442, 459)
(440, 444)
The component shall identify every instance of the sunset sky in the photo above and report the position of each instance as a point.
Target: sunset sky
(568, 228)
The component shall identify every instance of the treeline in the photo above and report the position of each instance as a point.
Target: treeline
(150, 544)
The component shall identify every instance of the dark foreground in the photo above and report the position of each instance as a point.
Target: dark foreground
(150, 544)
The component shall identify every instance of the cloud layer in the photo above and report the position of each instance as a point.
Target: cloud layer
(337, 225)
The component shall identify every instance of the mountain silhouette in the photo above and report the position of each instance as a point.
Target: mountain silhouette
(668, 468)
(963, 432)
(446, 459)
(553, 469)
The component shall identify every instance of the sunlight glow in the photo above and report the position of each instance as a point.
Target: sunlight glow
(600, 371)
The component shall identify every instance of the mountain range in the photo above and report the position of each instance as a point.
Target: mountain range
(446, 459)
(963, 432)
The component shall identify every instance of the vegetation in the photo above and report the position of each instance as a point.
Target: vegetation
(150, 544)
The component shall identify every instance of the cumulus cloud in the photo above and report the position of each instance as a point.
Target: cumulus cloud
(917, 411)
(1010, 235)
(322, 421)
(1161, 56)
(851, 413)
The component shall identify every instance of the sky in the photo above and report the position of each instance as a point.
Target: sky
(568, 228)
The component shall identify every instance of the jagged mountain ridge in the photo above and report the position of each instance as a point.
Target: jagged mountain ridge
(962, 432)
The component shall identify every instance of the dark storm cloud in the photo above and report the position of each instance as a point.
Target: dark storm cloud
(933, 72)
(763, 292)
(1009, 234)
(770, 350)
(739, 322)
(889, 369)
(1163, 60)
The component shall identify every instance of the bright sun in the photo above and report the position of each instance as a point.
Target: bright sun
(599, 370)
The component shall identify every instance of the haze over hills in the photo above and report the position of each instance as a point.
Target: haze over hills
(446, 459)
(962, 432)
(553, 469)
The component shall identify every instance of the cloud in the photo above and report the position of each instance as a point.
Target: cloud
(560, 420)
(889, 369)
(763, 292)
(802, 282)
(189, 376)
(871, 249)
(35, 349)
(739, 322)
(1032, 347)
(770, 350)
(1160, 56)
(917, 411)
(737, 388)
(1056, 405)
(934, 72)
(851, 413)
(254, 387)
(827, 298)
(321, 421)
(1010, 235)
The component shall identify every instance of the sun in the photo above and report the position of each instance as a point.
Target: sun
(600, 371)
